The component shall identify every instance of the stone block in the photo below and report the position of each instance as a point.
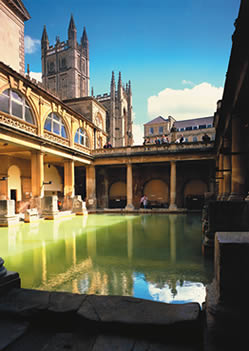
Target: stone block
(31, 215)
(50, 207)
(133, 311)
(231, 263)
(8, 281)
(79, 206)
(7, 213)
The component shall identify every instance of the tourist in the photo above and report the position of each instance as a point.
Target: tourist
(181, 140)
(164, 140)
(109, 145)
(105, 146)
(144, 201)
(205, 138)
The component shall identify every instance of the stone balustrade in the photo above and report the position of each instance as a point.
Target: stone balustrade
(152, 148)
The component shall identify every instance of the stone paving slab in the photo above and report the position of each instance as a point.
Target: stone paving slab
(65, 321)
(65, 302)
(129, 310)
(10, 330)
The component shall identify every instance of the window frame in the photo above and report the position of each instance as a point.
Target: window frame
(80, 132)
(20, 102)
(56, 120)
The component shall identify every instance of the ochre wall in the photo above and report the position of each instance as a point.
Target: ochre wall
(12, 39)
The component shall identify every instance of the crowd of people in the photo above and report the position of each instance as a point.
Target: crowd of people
(165, 140)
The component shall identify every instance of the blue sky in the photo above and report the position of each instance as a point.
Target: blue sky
(175, 52)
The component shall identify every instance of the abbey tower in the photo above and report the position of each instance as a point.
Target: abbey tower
(65, 72)
(65, 66)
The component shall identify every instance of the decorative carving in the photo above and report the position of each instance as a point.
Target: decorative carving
(56, 138)
(81, 148)
(18, 123)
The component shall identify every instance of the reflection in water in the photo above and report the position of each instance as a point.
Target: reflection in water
(155, 257)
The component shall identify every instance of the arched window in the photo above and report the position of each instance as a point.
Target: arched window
(16, 105)
(54, 124)
(81, 137)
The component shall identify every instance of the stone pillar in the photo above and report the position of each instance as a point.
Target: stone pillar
(4, 187)
(172, 205)
(91, 187)
(68, 184)
(69, 178)
(238, 178)
(220, 175)
(227, 169)
(37, 178)
(129, 188)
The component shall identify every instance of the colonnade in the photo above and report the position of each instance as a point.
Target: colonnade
(91, 186)
(231, 174)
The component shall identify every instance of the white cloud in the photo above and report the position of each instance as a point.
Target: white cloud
(36, 75)
(189, 292)
(187, 82)
(199, 101)
(31, 45)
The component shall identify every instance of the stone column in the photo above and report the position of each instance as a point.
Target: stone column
(91, 187)
(37, 179)
(69, 178)
(4, 187)
(227, 169)
(129, 188)
(220, 175)
(237, 178)
(172, 205)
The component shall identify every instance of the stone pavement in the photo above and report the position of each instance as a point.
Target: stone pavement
(52, 321)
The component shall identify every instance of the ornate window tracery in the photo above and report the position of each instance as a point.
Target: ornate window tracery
(15, 104)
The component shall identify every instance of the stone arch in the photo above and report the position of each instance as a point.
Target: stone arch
(193, 192)
(117, 195)
(14, 183)
(157, 191)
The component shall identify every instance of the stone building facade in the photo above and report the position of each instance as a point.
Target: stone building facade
(65, 66)
(118, 105)
(192, 130)
(12, 17)
(158, 127)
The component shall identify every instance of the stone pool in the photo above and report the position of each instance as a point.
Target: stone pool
(156, 257)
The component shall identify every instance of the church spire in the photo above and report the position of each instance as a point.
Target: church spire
(84, 43)
(72, 32)
(44, 39)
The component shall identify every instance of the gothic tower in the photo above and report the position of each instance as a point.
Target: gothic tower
(65, 66)
(119, 113)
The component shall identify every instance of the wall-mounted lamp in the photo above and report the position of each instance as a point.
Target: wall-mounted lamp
(47, 183)
(4, 178)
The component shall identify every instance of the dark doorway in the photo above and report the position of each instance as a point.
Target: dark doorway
(13, 194)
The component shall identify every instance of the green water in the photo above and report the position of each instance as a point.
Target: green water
(155, 257)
